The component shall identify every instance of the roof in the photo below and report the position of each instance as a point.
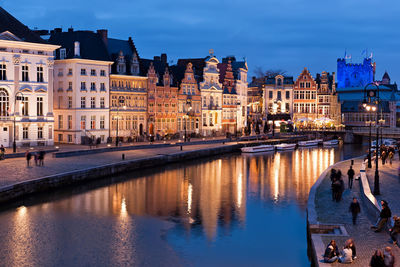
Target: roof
(159, 67)
(11, 24)
(385, 76)
(128, 48)
(286, 80)
(91, 44)
(198, 66)
(356, 106)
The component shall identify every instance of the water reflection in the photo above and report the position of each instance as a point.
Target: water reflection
(211, 198)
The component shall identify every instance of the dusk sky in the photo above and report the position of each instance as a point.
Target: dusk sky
(272, 34)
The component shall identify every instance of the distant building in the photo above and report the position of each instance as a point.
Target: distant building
(328, 105)
(305, 99)
(81, 95)
(255, 101)
(26, 85)
(278, 98)
(128, 90)
(229, 98)
(354, 75)
(211, 94)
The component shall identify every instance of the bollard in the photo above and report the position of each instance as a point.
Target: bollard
(223, 142)
(352, 162)
(123, 156)
(181, 147)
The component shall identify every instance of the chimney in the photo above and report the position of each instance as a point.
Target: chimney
(71, 29)
(77, 49)
(57, 30)
(164, 58)
(104, 35)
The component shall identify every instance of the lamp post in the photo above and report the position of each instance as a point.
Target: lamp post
(121, 100)
(375, 108)
(15, 111)
(369, 144)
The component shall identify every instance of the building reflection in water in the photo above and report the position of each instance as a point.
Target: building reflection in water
(210, 195)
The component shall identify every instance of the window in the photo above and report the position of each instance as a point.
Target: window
(313, 95)
(296, 107)
(83, 122)
(102, 73)
(63, 53)
(3, 73)
(93, 122)
(69, 86)
(270, 96)
(60, 86)
(279, 95)
(69, 122)
(102, 122)
(39, 106)
(83, 86)
(204, 119)
(92, 72)
(308, 95)
(25, 133)
(102, 87)
(92, 86)
(83, 71)
(69, 72)
(25, 73)
(60, 137)
(39, 74)
(301, 85)
(70, 102)
(25, 106)
(92, 102)
(40, 132)
(279, 82)
(211, 120)
(83, 102)
(60, 121)
(287, 108)
(308, 85)
(287, 95)
(102, 102)
(4, 104)
(70, 138)
(296, 94)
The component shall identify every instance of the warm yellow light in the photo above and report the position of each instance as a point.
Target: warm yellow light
(368, 108)
(373, 108)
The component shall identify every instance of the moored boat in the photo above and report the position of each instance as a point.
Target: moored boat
(331, 142)
(308, 143)
(281, 147)
(257, 149)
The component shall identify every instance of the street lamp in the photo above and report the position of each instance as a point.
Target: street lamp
(185, 118)
(121, 100)
(374, 106)
(17, 97)
(369, 143)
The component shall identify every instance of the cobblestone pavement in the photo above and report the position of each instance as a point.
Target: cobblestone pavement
(15, 170)
(328, 211)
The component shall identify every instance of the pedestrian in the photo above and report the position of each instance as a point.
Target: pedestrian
(350, 243)
(395, 229)
(28, 156)
(341, 188)
(2, 152)
(36, 157)
(391, 154)
(354, 209)
(41, 157)
(383, 156)
(331, 252)
(333, 174)
(377, 259)
(384, 216)
(336, 189)
(388, 257)
(350, 174)
(347, 255)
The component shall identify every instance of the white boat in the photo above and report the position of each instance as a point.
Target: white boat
(281, 147)
(309, 143)
(331, 142)
(256, 149)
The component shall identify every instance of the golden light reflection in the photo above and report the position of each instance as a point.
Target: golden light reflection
(124, 211)
(239, 190)
(189, 202)
(277, 164)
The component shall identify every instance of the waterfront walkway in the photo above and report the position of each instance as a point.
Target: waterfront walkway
(366, 240)
(14, 170)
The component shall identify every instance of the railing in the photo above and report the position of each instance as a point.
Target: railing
(385, 130)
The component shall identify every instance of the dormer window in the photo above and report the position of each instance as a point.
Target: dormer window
(63, 53)
(279, 82)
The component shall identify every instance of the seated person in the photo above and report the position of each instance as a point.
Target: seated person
(331, 252)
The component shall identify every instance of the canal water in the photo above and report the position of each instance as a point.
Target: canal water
(232, 210)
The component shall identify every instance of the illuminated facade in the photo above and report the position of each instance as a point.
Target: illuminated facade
(278, 97)
(305, 99)
(355, 75)
(230, 100)
(328, 106)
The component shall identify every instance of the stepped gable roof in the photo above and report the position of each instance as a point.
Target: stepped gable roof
(286, 80)
(198, 66)
(236, 65)
(91, 44)
(11, 24)
(159, 67)
(128, 48)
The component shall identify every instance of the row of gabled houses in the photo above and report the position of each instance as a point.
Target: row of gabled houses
(76, 86)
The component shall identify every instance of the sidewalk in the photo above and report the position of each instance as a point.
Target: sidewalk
(329, 212)
(15, 170)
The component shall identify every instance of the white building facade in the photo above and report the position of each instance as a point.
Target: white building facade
(241, 90)
(211, 99)
(26, 92)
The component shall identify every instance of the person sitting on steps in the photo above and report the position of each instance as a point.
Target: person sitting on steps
(331, 252)
(384, 216)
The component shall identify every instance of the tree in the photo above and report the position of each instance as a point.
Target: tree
(261, 74)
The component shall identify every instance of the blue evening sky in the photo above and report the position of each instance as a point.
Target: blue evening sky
(284, 34)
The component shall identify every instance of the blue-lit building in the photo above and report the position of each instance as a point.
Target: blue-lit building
(354, 75)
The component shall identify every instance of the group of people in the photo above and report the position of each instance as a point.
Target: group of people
(347, 255)
(37, 155)
(387, 152)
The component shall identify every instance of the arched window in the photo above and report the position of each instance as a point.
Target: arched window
(4, 103)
